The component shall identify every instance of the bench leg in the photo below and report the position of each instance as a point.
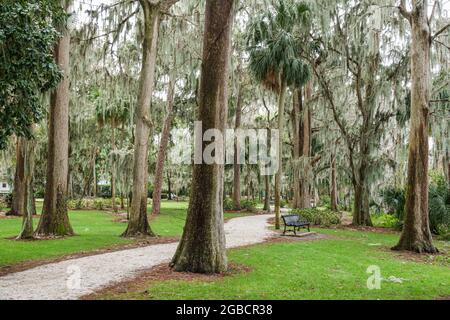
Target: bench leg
(284, 232)
(308, 229)
(295, 231)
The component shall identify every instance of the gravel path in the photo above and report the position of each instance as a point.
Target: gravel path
(74, 278)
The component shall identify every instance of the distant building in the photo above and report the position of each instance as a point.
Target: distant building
(5, 188)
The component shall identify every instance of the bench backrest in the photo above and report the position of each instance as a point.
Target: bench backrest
(291, 219)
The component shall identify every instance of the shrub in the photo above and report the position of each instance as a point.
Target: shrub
(386, 221)
(76, 204)
(318, 217)
(9, 200)
(394, 200)
(325, 202)
(439, 204)
(249, 205)
(283, 203)
(99, 204)
(227, 204)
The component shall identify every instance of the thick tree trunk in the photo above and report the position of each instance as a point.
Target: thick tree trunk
(279, 174)
(202, 247)
(237, 155)
(361, 212)
(27, 207)
(55, 219)
(333, 185)
(138, 223)
(361, 208)
(162, 151)
(416, 235)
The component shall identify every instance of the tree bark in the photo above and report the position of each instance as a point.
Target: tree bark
(138, 223)
(306, 147)
(113, 165)
(297, 148)
(202, 247)
(162, 151)
(279, 174)
(237, 165)
(333, 185)
(19, 186)
(27, 206)
(54, 220)
(169, 187)
(416, 234)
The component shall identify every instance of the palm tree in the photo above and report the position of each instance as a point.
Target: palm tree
(274, 46)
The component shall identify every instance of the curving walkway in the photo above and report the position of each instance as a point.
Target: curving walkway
(74, 278)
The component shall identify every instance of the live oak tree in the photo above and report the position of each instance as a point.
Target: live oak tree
(202, 246)
(164, 141)
(354, 51)
(24, 187)
(54, 220)
(416, 234)
(138, 224)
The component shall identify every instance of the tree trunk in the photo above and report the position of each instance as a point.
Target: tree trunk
(306, 148)
(94, 173)
(162, 151)
(138, 223)
(19, 186)
(202, 247)
(27, 207)
(237, 155)
(297, 148)
(266, 176)
(448, 172)
(279, 175)
(361, 212)
(416, 234)
(113, 165)
(55, 219)
(333, 185)
(169, 187)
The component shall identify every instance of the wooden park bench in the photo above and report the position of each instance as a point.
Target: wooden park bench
(296, 221)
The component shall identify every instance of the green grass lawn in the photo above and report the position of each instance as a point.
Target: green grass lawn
(95, 230)
(333, 268)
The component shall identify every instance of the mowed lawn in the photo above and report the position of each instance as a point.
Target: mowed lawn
(333, 268)
(95, 230)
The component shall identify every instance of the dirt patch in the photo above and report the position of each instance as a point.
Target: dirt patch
(301, 237)
(145, 279)
(3, 216)
(441, 258)
(366, 229)
(32, 264)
